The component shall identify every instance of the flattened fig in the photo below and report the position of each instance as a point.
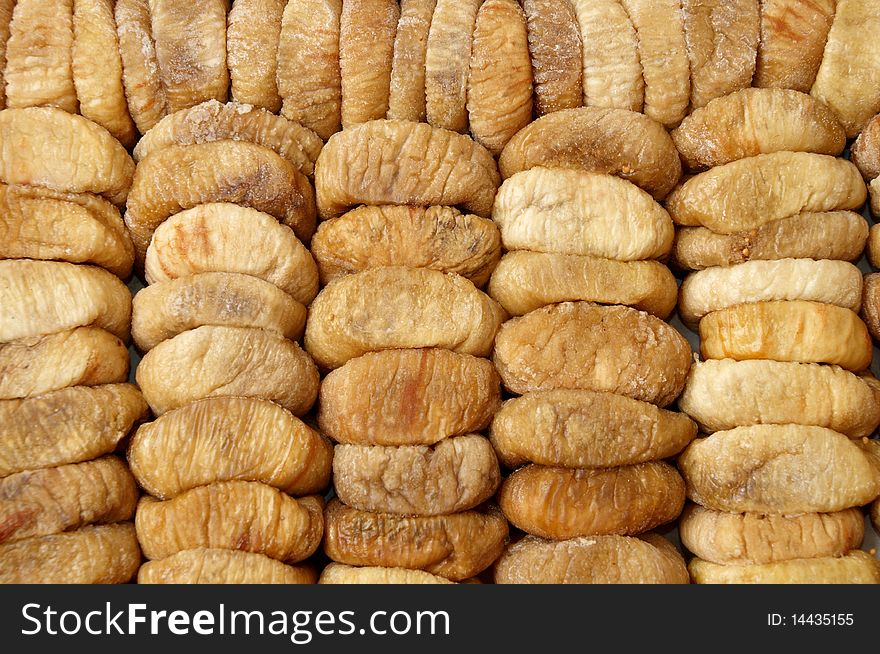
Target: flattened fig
(865, 151)
(252, 34)
(214, 566)
(857, 567)
(556, 53)
(337, 573)
(144, 90)
(406, 100)
(871, 304)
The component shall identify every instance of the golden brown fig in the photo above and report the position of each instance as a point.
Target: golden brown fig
(584, 429)
(778, 393)
(406, 99)
(85, 356)
(857, 567)
(220, 237)
(216, 361)
(166, 309)
(6, 7)
(754, 538)
(408, 397)
(51, 148)
(579, 212)
(454, 546)
(399, 162)
(865, 151)
(757, 121)
(144, 91)
(787, 331)
(871, 304)
(722, 39)
(581, 345)
(779, 469)
(873, 247)
(337, 573)
(52, 500)
(455, 475)
(397, 307)
(229, 438)
(440, 238)
(591, 560)
(252, 34)
(44, 297)
(107, 554)
(612, 141)
(234, 515)
(556, 54)
(215, 566)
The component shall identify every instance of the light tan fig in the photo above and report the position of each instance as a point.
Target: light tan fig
(216, 566)
(253, 28)
(406, 98)
(857, 567)
(556, 54)
(871, 304)
(337, 573)
(865, 151)
(144, 91)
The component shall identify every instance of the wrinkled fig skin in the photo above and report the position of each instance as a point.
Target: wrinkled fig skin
(873, 247)
(144, 91)
(398, 307)
(337, 573)
(612, 141)
(556, 54)
(865, 151)
(856, 567)
(85, 356)
(757, 121)
(229, 438)
(584, 429)
(871, 304)
(408, 397)
(753, 538)
(779, 393)
(564, 503)
(215, 566)
(778, 469)
(581, 345)
(52, 500)
(440, 238)
(6, 7)
(235, 515)
(455, 475)
(252, 34)
(591, 560)
(401, 162)
(406, 98)
(456, 546)
(106, 554)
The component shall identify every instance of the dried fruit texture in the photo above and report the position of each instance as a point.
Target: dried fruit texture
(215, 361)
(713, 289)
(440, 238)
(455, 475)
(757, 121)
(499, 96)
(447, 63)
(873, 246)
(233, 515)
(38, 55)
(722, 39)
(779, 393)
(180, 177)
(44, 297)
(190, 42)
(166, 309)
(871, 304)
(252, 34)
(47, 147)
(584, 429)
(144, 90)
(107, 554)
(612, 71)
(214, 566)
(455, 546)
(849, 75)
(220, 237)
(591, 560)
(309, 77)
(6, 7)
(857, 567)
(525, 281)
(400, 162)
(563, 503)
(229, 438)
(579, 212)
(337, 573)
(754, 538)
(580, 345)
(787, 331)
(556, 55)
(865, 151)
(67, 426)
(215, 121)
(611, 141)
(874, 190)
(406, 100)
(52, 500)
(86, 356)
(397, 307)
(408, 397)
(829, 235)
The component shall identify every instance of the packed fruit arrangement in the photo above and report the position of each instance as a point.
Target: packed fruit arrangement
(406, 271)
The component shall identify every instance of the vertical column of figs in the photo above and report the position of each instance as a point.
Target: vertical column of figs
(588, 354)
(220, 207)
(403, 331)
(783, 395)
(66, 501)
